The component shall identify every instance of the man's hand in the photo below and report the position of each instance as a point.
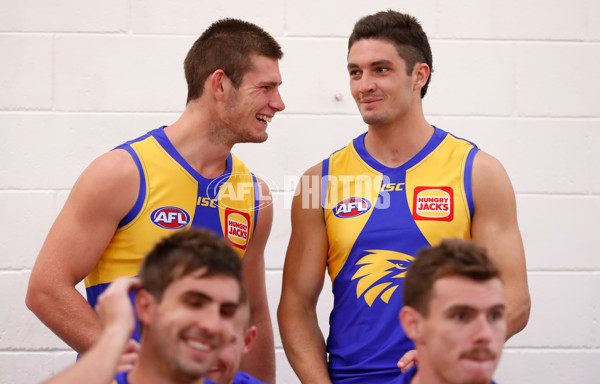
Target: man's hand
(116, 314)
(408, 360)
(129, 356)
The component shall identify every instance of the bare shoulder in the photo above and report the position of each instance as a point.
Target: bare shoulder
(494, 198)
(100, 198)
(263, 189)
(307, 207)
(116, 166)
(108, 187)
(315, 170)
(486, 163)
(308, 192)
(489, 175)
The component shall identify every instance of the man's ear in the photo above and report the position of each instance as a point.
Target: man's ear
(412, 322)
(422, 72)
(249, 339)
(144, 304)
(219, 82)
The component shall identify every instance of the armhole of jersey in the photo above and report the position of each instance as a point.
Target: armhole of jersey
(468, 179)
(120, 378)
(324, 183)
(256, 201)
(142, 193)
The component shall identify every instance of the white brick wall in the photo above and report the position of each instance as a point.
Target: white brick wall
(518, 77)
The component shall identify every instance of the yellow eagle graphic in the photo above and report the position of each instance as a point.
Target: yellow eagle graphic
(376, 265)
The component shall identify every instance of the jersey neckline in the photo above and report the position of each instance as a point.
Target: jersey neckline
(160, 136)
(359, 145)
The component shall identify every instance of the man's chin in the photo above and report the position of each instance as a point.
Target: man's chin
(216, 373)
(479, 371)
(191, 370)
(213, 375)
(373, 119)
(254, 138)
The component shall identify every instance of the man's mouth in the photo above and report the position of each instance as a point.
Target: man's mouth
(369, 101)
(264, 118)
(198, 345)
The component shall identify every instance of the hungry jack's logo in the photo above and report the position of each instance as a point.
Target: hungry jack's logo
(237, 227)
(433, 203)
(379, 273)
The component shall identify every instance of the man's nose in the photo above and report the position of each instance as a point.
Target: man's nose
(366, 83)
(277, 102)
(483, 330)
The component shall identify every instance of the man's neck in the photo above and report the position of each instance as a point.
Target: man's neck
(191, 137)
(394, 145)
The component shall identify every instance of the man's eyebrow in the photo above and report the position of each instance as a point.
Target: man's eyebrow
(197, 294)
(204, 296)
(464, 307)
(460, 307)
(381, 62)
(234, 304)
(372, 64)
(270, 83)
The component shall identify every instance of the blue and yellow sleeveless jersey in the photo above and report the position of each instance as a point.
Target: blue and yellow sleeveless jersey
(377, 219)
(174, 196)
(239, 378)
(121, 378)
(245, 378)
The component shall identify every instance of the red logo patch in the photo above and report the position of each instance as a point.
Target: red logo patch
(352, 207)
(170, 217)
(237, 228)
(433, 203)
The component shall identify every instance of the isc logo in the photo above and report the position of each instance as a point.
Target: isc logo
(170, 217)
(352, 207)
(390, 187)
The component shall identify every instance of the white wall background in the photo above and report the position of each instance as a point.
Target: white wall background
(518, 77)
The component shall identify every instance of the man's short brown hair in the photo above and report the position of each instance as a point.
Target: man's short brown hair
(228, 44)
(453, 257)
(185, 252)
(402, 30)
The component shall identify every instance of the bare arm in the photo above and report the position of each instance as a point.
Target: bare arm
(102, 195)
(260, 361)
(99, 364)
(495, 226)
(303, 276)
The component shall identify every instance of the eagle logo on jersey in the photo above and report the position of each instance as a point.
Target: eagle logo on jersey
(378, 273)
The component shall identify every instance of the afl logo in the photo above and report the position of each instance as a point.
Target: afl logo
(170, 217)
(351, 207)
